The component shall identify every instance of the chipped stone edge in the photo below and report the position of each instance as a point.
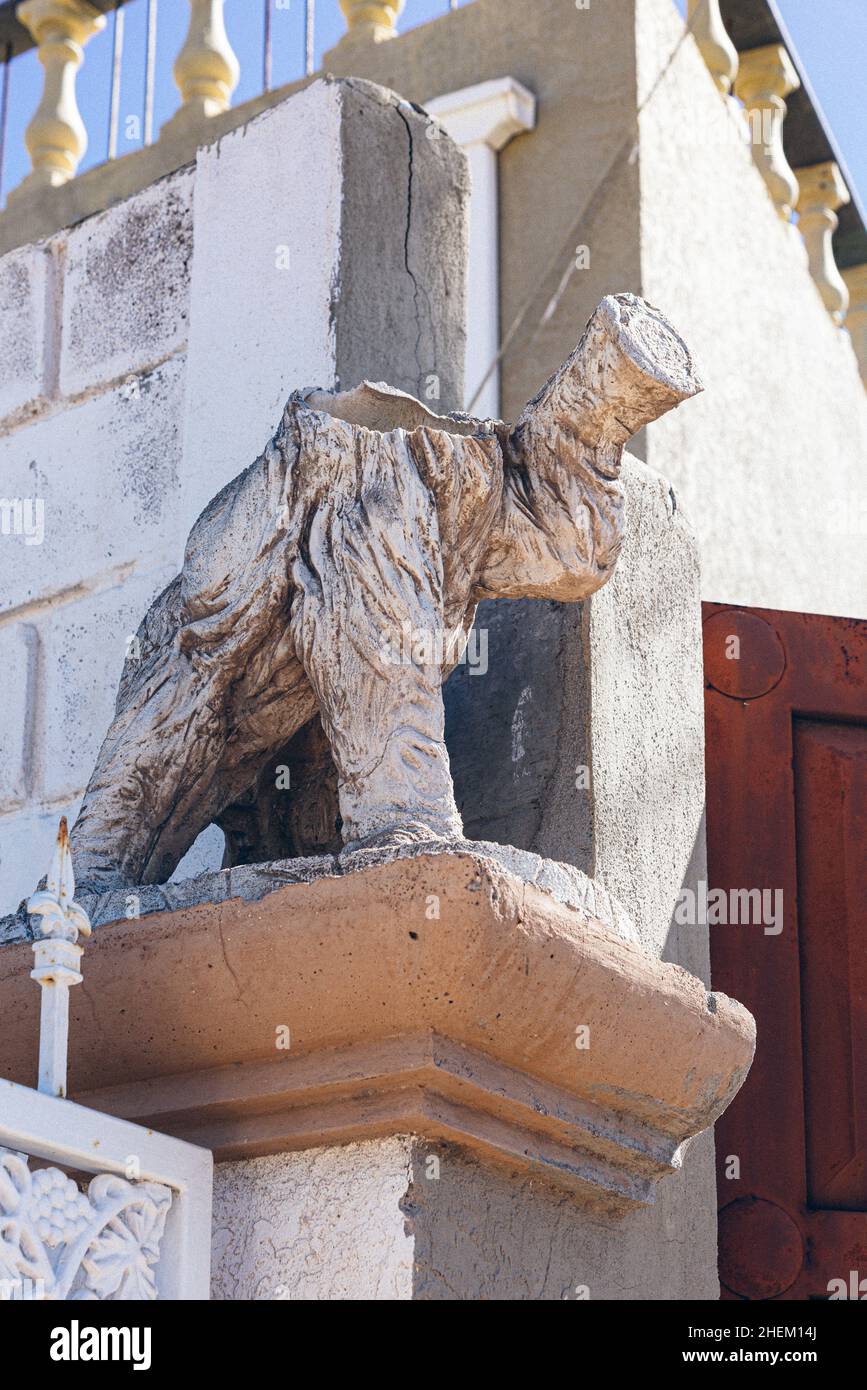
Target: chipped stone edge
(253, 882)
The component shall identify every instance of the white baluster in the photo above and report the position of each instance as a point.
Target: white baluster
(372, 19)
(56, 138)
(822, 191)
(714, 44)
(856, 319)
(765, 77)
(206, 70)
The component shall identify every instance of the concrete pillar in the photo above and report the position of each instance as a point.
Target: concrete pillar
(312, 267)
(446, 1156)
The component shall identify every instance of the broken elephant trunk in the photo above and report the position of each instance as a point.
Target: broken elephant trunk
(628, 369)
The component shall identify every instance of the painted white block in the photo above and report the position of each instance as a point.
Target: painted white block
(107, 473)
(267, 219)
(24, 350)
(126, 286)
(84, 648)
(322, 1224)
(18, 661)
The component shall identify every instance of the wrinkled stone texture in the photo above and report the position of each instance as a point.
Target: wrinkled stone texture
(252, 882)
(366, 519)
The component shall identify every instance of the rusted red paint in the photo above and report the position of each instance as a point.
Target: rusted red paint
(761, 1249)
(744, 657)
(787, 808)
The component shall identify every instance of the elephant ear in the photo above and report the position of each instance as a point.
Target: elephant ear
(376, 406)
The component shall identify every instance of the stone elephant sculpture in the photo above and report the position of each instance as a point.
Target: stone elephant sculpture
(365, 516)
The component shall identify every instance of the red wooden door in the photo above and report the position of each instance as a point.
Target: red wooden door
(786, 727)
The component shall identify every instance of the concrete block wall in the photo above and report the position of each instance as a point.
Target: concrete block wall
(92, 360)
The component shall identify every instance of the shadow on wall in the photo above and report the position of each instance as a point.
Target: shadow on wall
(515, 730)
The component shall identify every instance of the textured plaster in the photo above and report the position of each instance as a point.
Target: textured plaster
(770, 463)
(322, 1224)
(646, 719)
(481, 1235)
(406, 1219)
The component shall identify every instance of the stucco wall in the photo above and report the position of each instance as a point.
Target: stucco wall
(769, 463)
(670, 206)
(322, 1224)
(402, 1219)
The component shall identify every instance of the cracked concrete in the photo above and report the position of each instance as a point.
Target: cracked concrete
(253, 882)
(419, 220)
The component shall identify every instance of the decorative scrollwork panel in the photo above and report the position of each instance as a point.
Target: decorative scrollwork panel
(58, 1243)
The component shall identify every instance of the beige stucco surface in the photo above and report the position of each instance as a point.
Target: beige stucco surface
(770, 462)
(403, 1219)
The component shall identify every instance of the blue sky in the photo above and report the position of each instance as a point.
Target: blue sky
(831, 36)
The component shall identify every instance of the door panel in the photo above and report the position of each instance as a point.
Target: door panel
(831, 804)
(786, 727)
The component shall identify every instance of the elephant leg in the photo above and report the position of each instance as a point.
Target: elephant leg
(179, 750)
(162, 745)
(367, 617)
(215, 687)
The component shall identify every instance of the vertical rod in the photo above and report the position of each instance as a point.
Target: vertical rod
(116, 61)
(150, 69)
(309, 17)
(4, 107)
(53, 1039)
(266, 57)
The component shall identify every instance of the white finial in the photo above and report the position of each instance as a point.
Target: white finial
(57, 956)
